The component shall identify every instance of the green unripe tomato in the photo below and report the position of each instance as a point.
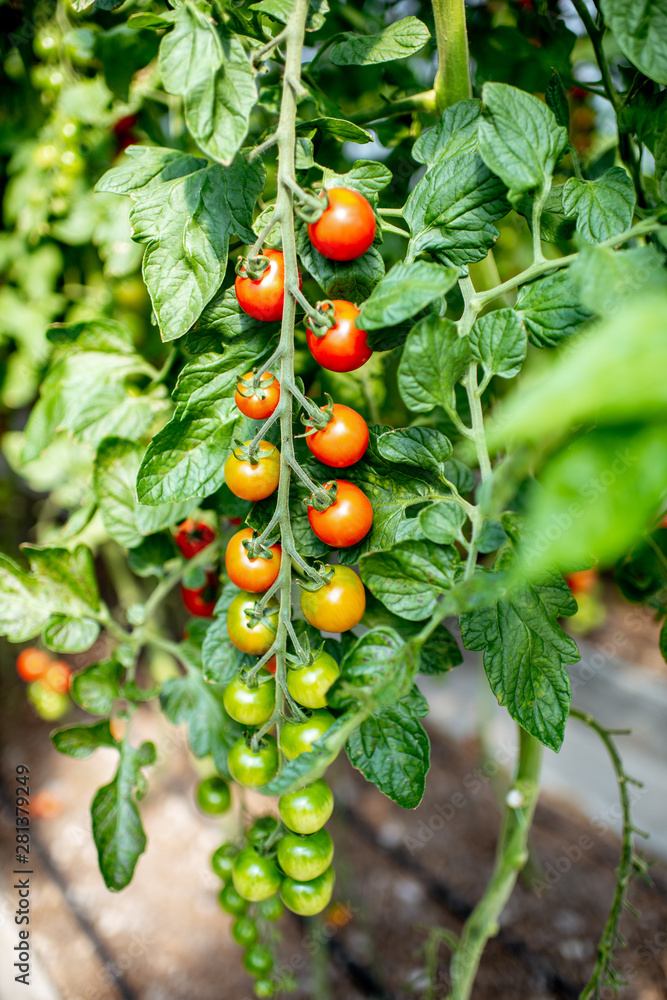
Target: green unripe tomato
(255, 877)
(46, 44)
(253, 769)
(49, 705)
(213, 795)
(308, 898)
(80, 46)
(251, 706)
(307, 809)
(231, 901)
(264, 988)
(298, 737)
(45, 156)
(258, 960)
(244, 931)
(304, 858)
(261, 830)
(308, 685)
(271, 908)
(222, 861)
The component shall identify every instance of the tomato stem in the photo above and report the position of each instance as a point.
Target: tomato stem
(452, 81)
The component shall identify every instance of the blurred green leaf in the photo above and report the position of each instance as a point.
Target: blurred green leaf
(398, 40)
(641, 32)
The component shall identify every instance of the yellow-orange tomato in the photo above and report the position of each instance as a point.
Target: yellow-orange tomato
(339, 605)
(260, 403)
(254, 482)
(254, 575)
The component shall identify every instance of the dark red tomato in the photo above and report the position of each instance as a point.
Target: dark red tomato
(272, 665)
(582, 581)
(346, 228)
(201, 602)
(254, 575)
(193, 536)
(344, 347)
(32, 664)
(347, 520)
(344, 439)
(258, 404)
(263, 299)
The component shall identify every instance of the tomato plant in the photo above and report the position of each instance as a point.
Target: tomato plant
(193, 257)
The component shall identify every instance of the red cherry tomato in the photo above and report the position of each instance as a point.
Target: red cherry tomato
(255, 575)
(193, 536)
(583, 581)
(263, 299)
(344, 439)
(344, 347)
(346, 228)
(201, 602)
(272, 665)
(32, 664)
(348, 518)
(260, 403)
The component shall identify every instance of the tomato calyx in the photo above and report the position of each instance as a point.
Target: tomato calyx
(311, 206)
(319, 418)
(322, 319)
(252, 452)
(324, 497)
(325, 573)
(252, 267)
(258, 615)
(255, 384)
(257, 549)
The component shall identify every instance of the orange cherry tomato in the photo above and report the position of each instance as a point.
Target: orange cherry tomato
(57, 677)
(254, 575)
(260, 403)
(31, 664)
(255, 639)
(583, 581)
(346, 228)
(271, 666)
(339, 605)
(263, 299)
(344, 439)
(347, 520)
(343, 347)
(254, 482)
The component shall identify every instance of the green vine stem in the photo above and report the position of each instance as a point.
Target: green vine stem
(452, 81)
(630, 864)
(511, 856)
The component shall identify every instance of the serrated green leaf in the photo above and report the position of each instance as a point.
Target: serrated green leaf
(452, 209)
(392, 750)
(422, 447)
(410, 577)
(491, 537)
(443, 522)
(96, 687)
(144, 164)
(551, 309)
(65, 634)
(519, 139)
(398, 40)
(60, 582)
(117, 830)
(280, 10)
(186, 225)
(366, 176)
(525, 655)
(353, 280)
(223, 322)
(405, 290)
(498, 342)
(214, 376)
(115, 471)
(455, 133)
(641, 32)
(187, 457)
(439, 653)
(339, 128)
(434, 359)
(213, 75)
(190, 700)
(604, 207)
(81, 741)
(607, 278)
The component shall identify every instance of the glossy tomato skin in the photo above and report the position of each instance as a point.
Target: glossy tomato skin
(231, 901)
(298, 737)
(222, 861)
(271, 908)
(254, 876)
(258, 960)
(253, 639)
(193, 536)
(213, 795)
(306, 810)
(244, 931)
(304, 858)
(308, 898)
(251, 706)
(253, 769)
(272, 665)
(262, 403)
(347, 520)
(32, 664)
(339, 605)
(254, 482)
(309, 684)
(346, 228)
(263, 299)
(344, 347)
(343, 441)
(201, 602)
(253, 575)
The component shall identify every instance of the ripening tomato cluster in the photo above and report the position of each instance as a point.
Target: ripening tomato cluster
(192, 537)
(48, 682)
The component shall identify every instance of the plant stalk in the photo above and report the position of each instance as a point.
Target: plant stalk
(452, 81)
